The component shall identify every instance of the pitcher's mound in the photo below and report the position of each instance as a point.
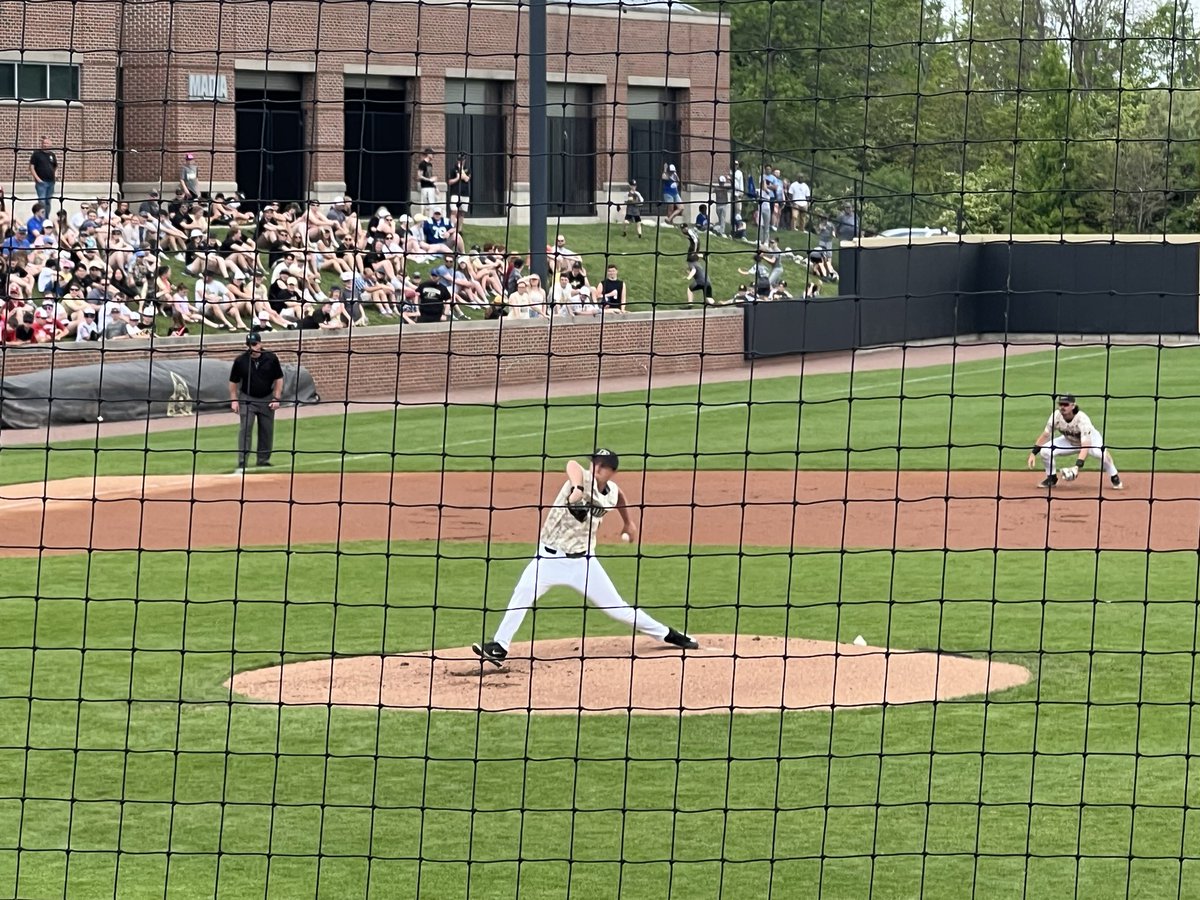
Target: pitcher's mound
(738, 673)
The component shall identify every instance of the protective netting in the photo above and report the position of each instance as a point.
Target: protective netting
(581, 449)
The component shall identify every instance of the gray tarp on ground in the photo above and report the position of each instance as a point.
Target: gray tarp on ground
(154, 388)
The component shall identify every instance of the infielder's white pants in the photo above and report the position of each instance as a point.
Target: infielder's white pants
(584, 574)
(1060, 446)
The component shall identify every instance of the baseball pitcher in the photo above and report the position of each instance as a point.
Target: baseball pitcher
(566, 556)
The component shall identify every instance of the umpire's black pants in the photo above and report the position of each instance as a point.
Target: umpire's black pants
(251, 410)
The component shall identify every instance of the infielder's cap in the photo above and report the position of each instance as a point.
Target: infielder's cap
(606, 456)
(1066, 398)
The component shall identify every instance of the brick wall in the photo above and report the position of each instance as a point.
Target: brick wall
(393, 361)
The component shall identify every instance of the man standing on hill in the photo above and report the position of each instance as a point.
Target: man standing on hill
(43, 166)
(566, 556)
(255, 389)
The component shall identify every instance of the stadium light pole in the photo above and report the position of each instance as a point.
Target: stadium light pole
(538, 175)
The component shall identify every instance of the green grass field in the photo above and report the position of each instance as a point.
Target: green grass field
(125, 770)
(979, 415)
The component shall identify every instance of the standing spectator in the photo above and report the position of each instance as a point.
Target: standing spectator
(43, 166)
(633, 210)
(820, 259)
(739, 190)
(189, 178)
(670, 192)
(427, 182)
(610, 293)
(721, 201)
(433, 301)
(255, 389)
(458, 188)
(798, 196)
(847, 224)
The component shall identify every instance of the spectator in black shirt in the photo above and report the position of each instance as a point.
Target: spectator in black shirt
(255, 389)
(433, 301)
(458, 187)
(610, 293)
(43, 166)
(427, 181)
(148, 209)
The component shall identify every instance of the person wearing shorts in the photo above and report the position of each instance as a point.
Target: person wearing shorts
(670, 192)
(633, 210)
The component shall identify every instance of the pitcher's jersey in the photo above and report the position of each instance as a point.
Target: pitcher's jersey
(573, 530)
(1076, 431)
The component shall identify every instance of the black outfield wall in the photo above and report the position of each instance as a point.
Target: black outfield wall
(896, 293)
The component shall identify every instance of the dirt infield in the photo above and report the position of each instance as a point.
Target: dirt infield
(959, 510)
(742, 673)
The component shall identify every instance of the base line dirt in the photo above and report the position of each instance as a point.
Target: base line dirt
(635, 675)
(919, 510)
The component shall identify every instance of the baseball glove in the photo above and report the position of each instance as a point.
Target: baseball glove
(1070, 473)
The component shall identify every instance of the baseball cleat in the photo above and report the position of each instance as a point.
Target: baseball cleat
(491, 652)
(1048, 482)
(678, 639)
(1116, 483)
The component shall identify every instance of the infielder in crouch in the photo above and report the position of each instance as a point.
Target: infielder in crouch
(1076, 437)
(566, 556)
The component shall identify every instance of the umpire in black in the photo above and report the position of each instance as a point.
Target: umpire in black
(255, 387)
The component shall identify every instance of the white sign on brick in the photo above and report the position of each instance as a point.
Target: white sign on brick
(208, 87)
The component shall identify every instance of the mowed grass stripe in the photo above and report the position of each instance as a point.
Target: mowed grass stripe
(1089, 757)
(979, 415)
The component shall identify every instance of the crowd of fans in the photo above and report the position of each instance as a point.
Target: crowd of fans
(111, 272)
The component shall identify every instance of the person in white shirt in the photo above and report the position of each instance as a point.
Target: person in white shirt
(566, 556)
(798, 196)
(87, 329)
(212, 298)
(1077, 437)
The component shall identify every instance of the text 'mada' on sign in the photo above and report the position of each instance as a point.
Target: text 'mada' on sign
(208, 87)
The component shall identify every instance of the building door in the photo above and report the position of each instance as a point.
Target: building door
(378, 138)
(571, 142)
(270, 138)
(654, 140)
(476, 126)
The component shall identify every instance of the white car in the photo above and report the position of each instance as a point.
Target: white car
(915, 232)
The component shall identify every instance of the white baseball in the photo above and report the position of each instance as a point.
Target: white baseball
(99, 418)
(625, 536)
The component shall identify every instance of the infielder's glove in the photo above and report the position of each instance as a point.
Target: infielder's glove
(1070, 473)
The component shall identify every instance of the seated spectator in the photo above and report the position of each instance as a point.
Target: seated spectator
(213, 300)
(562, 298)
(283, 295)
(15, 240)
(88, 329)
(561, 257)
(537, 297)
(51, 322)
(36, 222)
(439, 231)
(702, 223)
(117, 320)
(149, 209)
(381, 293)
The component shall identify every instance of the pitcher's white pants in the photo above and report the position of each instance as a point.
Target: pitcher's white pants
(1060, 446)
(584, 574)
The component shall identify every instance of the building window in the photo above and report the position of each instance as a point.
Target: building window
(476, 127)
(571, 135)
(654, 138)
(38, 81)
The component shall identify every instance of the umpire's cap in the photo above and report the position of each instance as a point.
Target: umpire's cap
(606, 456)
(253, 339)
(1066, 398)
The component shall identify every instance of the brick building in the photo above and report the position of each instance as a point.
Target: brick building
(349, 92)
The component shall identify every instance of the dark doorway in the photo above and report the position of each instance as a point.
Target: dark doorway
(476, 126)
(378, 123)
(654, 141)
(571, 143)
(270, 138)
